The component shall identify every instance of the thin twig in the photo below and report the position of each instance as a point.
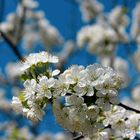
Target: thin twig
(112, 57)
(137, 138)
(20, 27)
(114, 3)
(129, 108)
(73, 2)
(78, 137)
(12, 46)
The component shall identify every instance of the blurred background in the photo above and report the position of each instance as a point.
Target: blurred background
(67, 19)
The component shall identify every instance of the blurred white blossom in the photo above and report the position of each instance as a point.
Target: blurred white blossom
(135, 32)
(90, 9)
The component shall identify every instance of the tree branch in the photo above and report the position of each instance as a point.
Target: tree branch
(129, 108)
(78, 137)
(12, 46)
(137, 138)
(20, 27)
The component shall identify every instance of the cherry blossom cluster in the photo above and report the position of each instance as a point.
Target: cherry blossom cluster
(84, 100)
(33, 70)
(102, 37)
(95, 123)
(100, 40)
